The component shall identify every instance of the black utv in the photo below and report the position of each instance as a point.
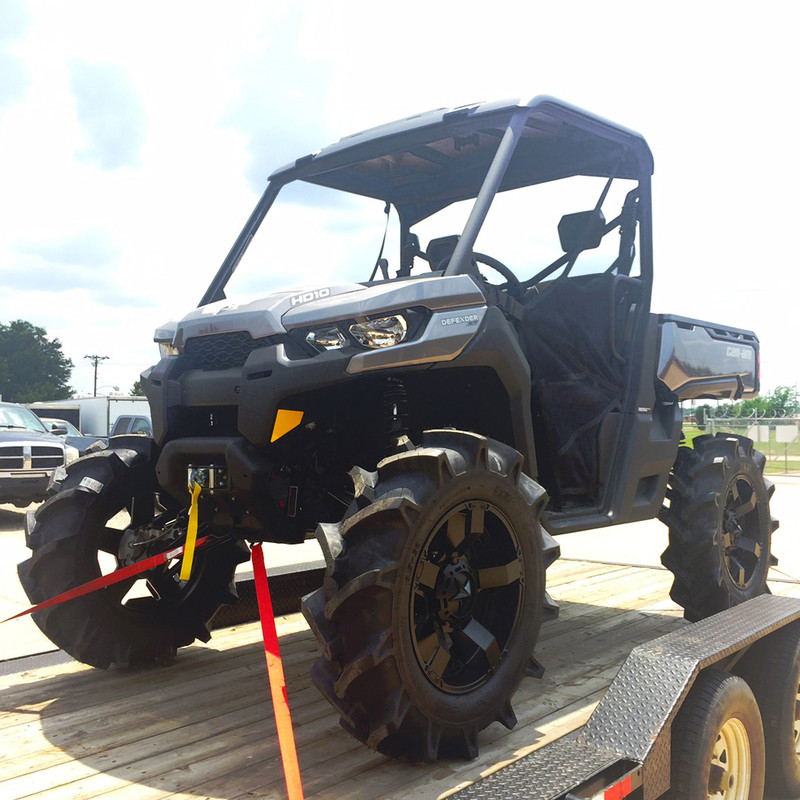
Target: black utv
(478, 372)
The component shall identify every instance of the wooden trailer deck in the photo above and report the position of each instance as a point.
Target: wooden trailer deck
(203, 727)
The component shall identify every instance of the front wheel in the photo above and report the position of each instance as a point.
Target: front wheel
(80, 533)
(718, 742)
(433, 597)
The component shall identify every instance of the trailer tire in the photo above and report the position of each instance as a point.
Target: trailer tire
(772, 668)
(433, 597)
(720, 528)
(718, 741)
(68, 534)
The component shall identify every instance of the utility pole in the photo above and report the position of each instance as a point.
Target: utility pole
(96, 360)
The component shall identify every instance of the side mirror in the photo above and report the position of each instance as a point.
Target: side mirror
(440, 251)
(581, 231)
(58, 430)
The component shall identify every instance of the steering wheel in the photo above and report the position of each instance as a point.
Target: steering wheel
(513, 286)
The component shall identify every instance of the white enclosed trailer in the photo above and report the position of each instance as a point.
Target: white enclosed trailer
(97, 414)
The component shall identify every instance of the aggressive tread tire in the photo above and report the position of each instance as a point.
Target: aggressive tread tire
(67, 534)
(433, 597)
(720, 528)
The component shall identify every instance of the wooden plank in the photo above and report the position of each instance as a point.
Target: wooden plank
(203, 727)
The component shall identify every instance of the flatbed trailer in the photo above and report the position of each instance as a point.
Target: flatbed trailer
(203, 727)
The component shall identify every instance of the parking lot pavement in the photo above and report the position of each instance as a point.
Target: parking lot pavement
(639, 543)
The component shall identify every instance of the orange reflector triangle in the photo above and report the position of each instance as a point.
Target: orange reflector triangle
(285, 421)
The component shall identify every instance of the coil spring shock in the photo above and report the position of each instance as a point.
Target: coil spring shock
(395, 409)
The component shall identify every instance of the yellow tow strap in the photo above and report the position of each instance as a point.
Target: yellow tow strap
(191, 536)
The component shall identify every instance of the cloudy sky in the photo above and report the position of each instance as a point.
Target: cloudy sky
(135, 139)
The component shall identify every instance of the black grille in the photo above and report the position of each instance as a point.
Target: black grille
(46, 457)
(42, 457)
(11, 458)
(223, 350)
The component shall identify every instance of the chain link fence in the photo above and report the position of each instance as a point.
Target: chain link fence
(778, 438)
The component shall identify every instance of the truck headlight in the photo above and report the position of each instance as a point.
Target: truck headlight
(381, 332)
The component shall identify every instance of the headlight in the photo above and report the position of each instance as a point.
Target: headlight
(163, 337)
(328, 338)
(382, 332)
(71, 454)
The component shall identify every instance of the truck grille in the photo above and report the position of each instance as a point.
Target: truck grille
(25, 457)
(46, 457)
(223, 350)
(11, 458)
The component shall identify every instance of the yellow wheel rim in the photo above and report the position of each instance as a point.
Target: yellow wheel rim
(729, 776)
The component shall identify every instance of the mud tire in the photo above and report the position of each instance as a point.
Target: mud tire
(720, 528)
(433, 597)
(66, 536)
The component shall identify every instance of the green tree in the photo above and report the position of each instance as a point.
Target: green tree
(32, 367)
(782, 402)
(136, 389)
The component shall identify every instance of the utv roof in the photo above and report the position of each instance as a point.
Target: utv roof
(425, 162)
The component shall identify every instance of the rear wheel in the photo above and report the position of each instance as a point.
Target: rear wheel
(720, 528)
(433, 597)
(77, 537)
(718, 742)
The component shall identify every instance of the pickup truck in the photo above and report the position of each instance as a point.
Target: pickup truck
(28, 456)
(131, 423)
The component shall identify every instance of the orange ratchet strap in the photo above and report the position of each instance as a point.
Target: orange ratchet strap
(277, 682)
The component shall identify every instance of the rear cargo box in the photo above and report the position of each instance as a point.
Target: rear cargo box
(703, 360)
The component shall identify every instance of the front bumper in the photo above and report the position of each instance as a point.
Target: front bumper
(23, 488)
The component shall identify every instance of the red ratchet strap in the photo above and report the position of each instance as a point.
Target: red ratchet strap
(110, 579)
(277, 682)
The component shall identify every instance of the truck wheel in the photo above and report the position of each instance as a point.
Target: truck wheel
(720, 529)
(433, 597)
(71, 531)
(718, 741)
(772, 668)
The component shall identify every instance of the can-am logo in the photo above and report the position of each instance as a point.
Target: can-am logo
(466, 319)
(738, 352)
(307, 297)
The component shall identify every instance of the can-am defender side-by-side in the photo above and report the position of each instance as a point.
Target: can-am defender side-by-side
(479, 372)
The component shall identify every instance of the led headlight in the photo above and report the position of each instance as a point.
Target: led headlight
(328, 338)
(382, 332)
